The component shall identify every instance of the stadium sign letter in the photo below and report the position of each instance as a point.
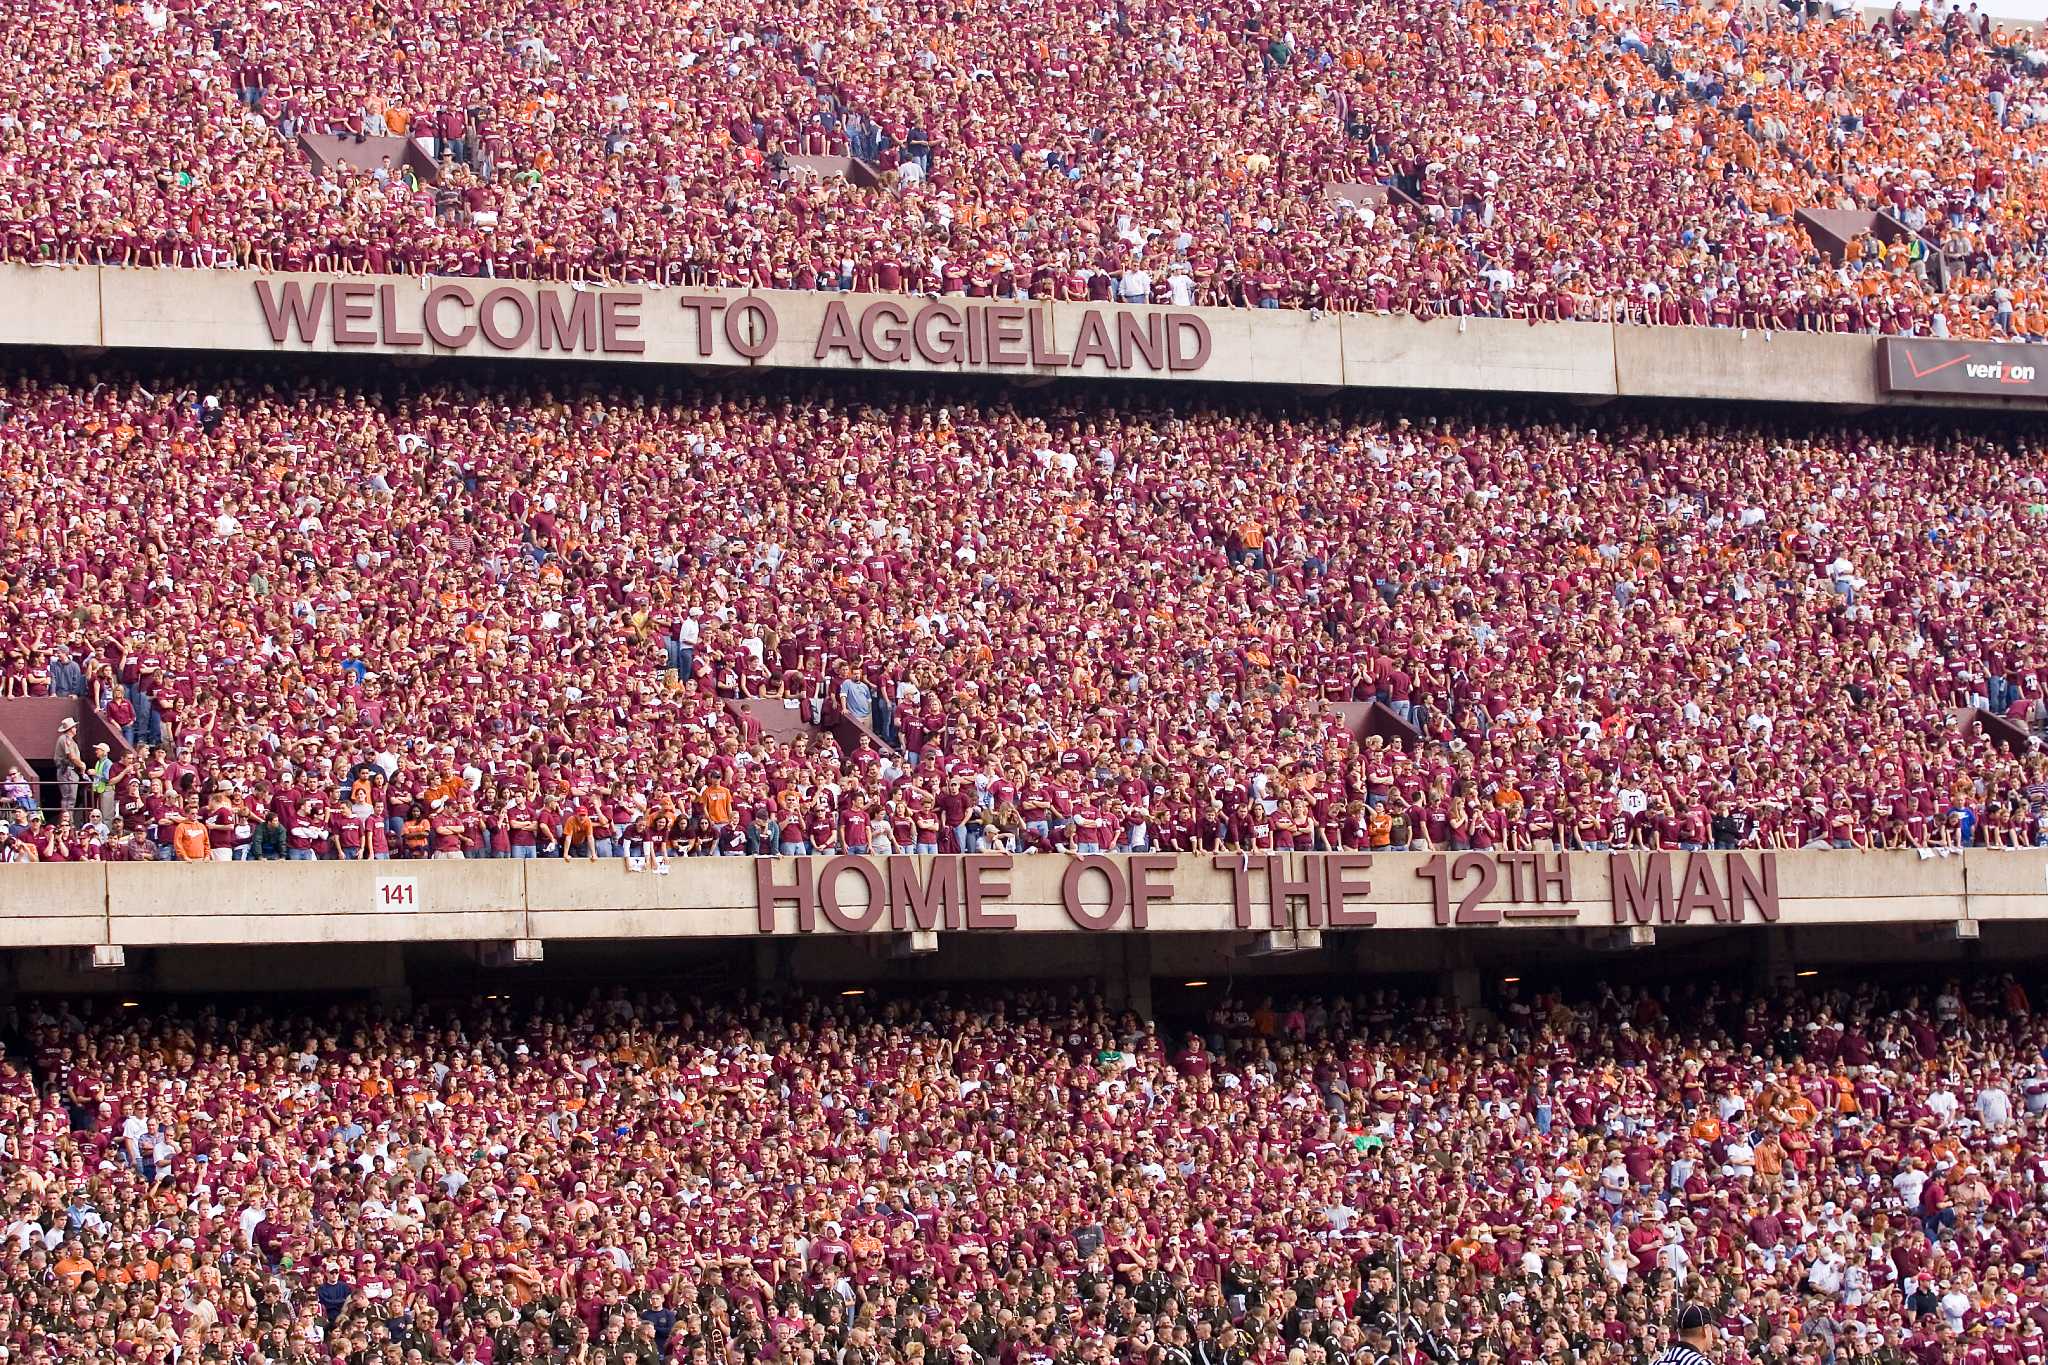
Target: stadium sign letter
(1147, 336)
(838, 915)
(1699, 889)
(1756, 884)
(1006, 334)
(1187, 342)
(387, 319)
(1641, 895)
(705, 307)
(490, 317)
(1338, 885)
(1239, 866)
(980, 886)
(617, 315)
(765, 331)
(575, 330)
(1145, 888)
(1042, 352)
(931, 903)
(1282, 889)
(352, 306)
(1077, 909)
(292, 310)
(442, 335)
(942, 347)
(835, 333)
(769, 893)
(879, 343)
(1095, 343)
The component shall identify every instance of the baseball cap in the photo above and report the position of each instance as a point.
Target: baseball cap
(1693, 1317)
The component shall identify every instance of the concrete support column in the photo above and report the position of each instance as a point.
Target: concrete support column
(1770, 959)
(1460, 986)
(1457, 977)
(771, 965)
(390, 991)
(1127, 975)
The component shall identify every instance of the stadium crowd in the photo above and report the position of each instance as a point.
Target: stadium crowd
(1532, 158)
(429, 620)
(1847, 1175)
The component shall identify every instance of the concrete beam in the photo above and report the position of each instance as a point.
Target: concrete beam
(111, 308)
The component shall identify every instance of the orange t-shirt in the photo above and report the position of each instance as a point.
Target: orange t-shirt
(190, 842)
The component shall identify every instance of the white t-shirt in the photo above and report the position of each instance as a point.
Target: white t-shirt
(1994, 1107)
(250, 1217)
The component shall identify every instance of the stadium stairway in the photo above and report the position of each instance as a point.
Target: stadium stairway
(324, 150)
(28, 737)
(1365, 718)
(2011, 734)
(780, 723)
(1833, 229)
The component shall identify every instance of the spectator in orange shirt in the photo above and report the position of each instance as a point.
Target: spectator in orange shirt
(717, 799)
(579, 836)
(71, 1266)
(189, 840)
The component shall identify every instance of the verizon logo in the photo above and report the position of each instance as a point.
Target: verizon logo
(1999, 372)
(1963, 368)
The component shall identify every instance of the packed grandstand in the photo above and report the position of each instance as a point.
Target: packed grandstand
(413, 618)
(294, 608)
(1844, 1174)
(1640, 162)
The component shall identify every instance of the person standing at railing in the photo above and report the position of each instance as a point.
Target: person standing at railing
(71, 770)
(103, 782)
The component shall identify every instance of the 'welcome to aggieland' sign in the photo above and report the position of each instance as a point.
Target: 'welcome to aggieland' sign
(857, 894)
(482, 317)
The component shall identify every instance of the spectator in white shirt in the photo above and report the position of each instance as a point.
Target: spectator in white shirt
(1994, 1105)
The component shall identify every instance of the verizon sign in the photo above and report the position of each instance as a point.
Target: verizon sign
(1983, 369)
